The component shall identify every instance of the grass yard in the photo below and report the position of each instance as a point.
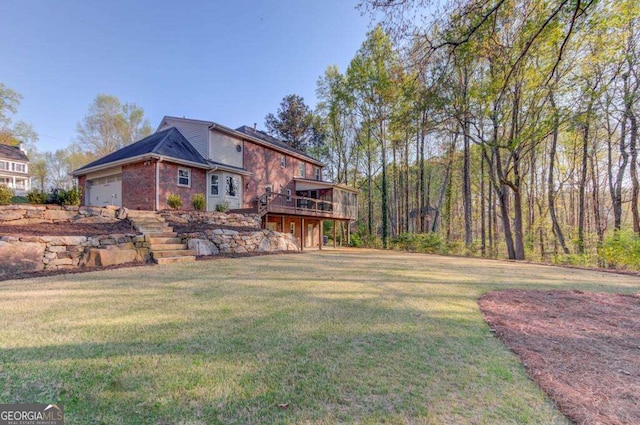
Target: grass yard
(323, 337)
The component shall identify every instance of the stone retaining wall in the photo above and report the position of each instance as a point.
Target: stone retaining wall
(215, 218)
(225, 241)
(35, 253)
(20, 214)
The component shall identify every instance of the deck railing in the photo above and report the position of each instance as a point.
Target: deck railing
(282, 203)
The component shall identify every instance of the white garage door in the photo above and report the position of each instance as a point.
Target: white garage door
(105, 191)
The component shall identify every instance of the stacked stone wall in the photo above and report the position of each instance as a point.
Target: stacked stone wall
(21, 214)
(213, 218)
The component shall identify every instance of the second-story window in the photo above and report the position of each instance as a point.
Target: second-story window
(4, 165)
(318, 173)
(303, 169)
(20, 168)
(283, 161)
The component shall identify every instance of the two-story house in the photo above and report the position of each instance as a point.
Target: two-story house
(14, 169)
(243, 170)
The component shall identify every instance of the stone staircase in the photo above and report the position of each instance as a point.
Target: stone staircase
(164, 245)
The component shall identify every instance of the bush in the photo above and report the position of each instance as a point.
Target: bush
(419, 242)
(222, 207)
(198, 201)
(174, 201)
(72, 196)
(6, 194)
(36, 196)
(621, 250)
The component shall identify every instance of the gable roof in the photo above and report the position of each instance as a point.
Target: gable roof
(170, 143)
(13, 153)
(248, 133)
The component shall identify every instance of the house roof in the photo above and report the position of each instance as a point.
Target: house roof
(170, 143)
(250, 131)
(12, 152)
(246, 132)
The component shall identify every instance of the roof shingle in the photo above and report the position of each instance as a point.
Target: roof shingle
(12, 152)
(169, 142)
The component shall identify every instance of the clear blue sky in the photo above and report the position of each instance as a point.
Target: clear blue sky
(227, 61)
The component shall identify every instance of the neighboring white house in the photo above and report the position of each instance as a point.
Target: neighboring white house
(14, 169)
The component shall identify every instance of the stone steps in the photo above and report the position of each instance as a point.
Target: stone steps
(164, 245)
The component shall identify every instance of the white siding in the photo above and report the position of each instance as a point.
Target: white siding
(196, 133)
(224, 149)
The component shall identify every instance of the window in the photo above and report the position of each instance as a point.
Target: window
(21, 168)
(318, 173)
(232, 186)
(184, 177)
(288, 195)
(303, 170)
(268, 188)
(292, 228)
(215, 184)
(283, 161)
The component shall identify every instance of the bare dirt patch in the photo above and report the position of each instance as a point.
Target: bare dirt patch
(583, 349)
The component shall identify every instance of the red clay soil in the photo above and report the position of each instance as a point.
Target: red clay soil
(583, 349)
(67, 229)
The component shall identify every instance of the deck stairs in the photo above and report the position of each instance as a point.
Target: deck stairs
(164, 245)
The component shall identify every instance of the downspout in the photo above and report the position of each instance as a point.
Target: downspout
(157, 206)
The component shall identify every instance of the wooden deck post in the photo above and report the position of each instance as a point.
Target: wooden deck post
(348, 233)
(320, 236)
(334, 233)
(302, 234)
(282, 224)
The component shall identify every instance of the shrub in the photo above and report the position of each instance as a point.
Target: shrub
(421, 242)
(222, 207)
(6, 193)
(621, 250)
(198, 201)
(174, 201)
(36, 196)
(71, 196)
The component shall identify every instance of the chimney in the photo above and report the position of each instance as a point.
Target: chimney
(255, 124)
(21, 147)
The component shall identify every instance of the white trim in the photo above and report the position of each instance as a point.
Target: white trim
(138, 158)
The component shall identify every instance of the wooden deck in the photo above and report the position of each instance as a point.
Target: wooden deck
(279, 203)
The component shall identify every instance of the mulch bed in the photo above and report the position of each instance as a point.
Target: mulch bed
(66, 229)
(583, 349)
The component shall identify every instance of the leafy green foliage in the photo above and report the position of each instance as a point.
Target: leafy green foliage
(222, 207)
(198, 201)
(36, 196)
(71, 196)
(174, 201)
(621, 250)
(110, 125)
(6, 193)
(424, 242)
(295, 123)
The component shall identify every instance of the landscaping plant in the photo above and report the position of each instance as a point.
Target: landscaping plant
(198, 201)
(174, 201)
(6, 193)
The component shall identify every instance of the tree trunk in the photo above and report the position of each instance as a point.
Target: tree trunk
(557, 231)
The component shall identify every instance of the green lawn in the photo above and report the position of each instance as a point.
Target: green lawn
(340, 336)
